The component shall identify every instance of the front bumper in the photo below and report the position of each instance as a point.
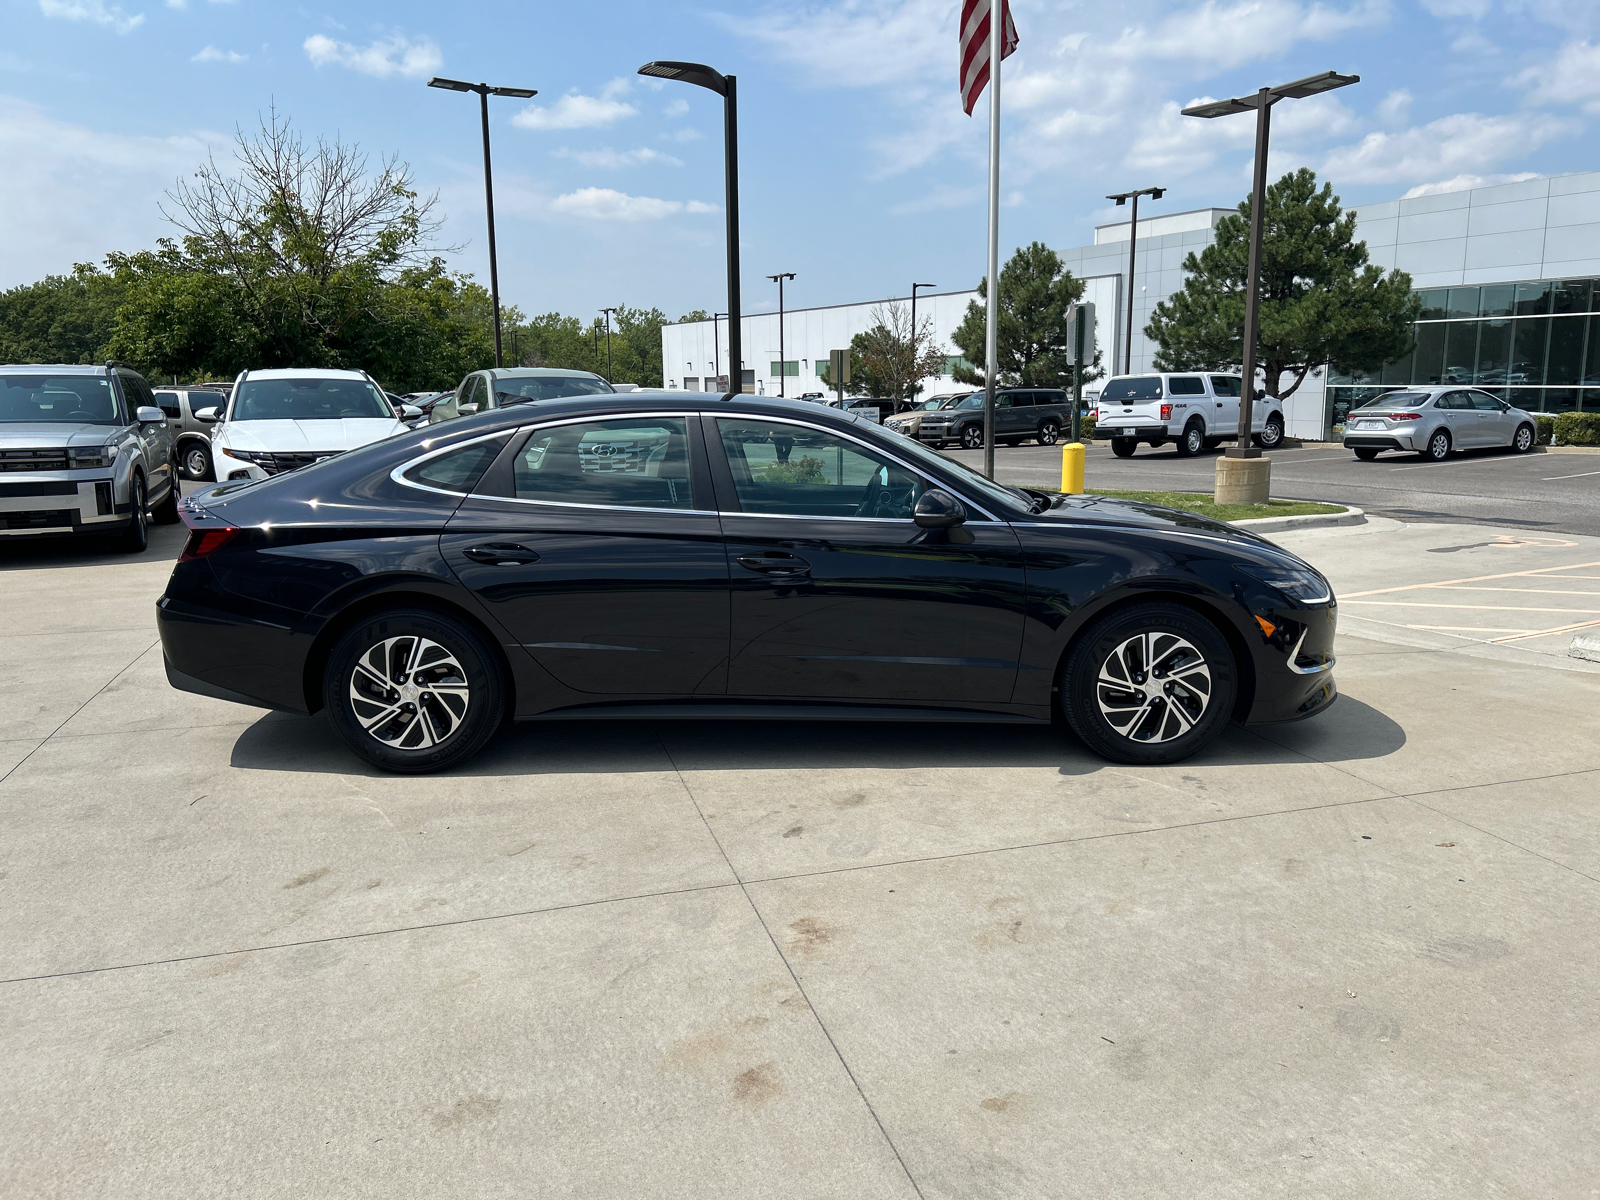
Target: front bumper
(60, 502)
(1294, 664)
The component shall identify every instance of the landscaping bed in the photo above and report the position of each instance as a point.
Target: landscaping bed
(1203, 503)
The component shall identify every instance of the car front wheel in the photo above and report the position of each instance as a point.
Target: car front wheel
(972, 437)
(1152, 683)
(1523, 440)
(413, 691)
(1438, 447)
(1271, 435)
(136, 536)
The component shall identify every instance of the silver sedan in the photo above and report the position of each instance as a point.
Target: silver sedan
(1436, 421)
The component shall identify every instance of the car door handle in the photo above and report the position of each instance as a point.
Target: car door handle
(775, 563)
(502, 554)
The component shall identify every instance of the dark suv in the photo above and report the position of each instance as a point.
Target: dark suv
(1019, 414)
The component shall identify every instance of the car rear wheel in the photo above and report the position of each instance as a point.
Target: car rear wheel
(1049, 431)
(1124, 447)
(1524, 439)
(972, 437)
(197, 461)
(1192, 441)
(1366, 453)
(166, 513)
(136, 537)
(1438, 447)
(413, 691)
(1152, 683)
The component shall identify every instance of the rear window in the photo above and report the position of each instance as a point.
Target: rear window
(1140, 387)
(1400, 400)
(1227, 385)
(1188, 385)
(514, 391)
(458, 470)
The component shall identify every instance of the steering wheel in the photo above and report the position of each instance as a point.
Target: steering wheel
(869, 502)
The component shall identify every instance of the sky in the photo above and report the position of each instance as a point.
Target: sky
(858, 170)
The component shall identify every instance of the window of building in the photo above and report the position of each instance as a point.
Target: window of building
(791, 367)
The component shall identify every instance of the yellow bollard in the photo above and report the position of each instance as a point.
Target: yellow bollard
(1072, 468)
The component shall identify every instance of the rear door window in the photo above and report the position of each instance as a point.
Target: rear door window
(1227, 386)
(623, 462)
(1188, 385)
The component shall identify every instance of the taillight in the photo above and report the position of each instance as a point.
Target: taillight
(1166, 412)
(1094, 415)
(206, 541)
(1406, 417)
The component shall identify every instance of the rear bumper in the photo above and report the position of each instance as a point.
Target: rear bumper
(1120, 429)
(209, 651)
(1389, 439)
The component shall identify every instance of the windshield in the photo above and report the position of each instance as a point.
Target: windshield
(548, 387)
(62, 399)
(939, 402)
(1144, 387)
(973, 401)
(1400, 400)
(308, 400)
(980, 484)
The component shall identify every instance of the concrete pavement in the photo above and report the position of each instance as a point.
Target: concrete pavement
(1347, 957)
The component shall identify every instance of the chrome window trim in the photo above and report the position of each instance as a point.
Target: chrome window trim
(397, 475)
(860, 442)
(687, 512)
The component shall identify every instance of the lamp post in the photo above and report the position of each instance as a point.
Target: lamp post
(608, 312)
(1244, 476)
(1122, 198)
(716, 352)
(726, 87)
(914, 288)
(484, 92)
(783, 364)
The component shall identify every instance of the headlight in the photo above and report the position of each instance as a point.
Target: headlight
(94, 456)
(248, 456)
(1304, 586)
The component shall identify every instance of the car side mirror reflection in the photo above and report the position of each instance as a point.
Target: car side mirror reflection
(149, 414)
(409, 412)
(208, 415)
(466, 410)
(938, 509)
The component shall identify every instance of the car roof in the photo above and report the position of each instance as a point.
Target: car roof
(61, 368)
(304, 373)
(537, 373)
(656, 399)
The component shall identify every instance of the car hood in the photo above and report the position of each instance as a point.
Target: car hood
(52, 435)
(1104, 510)
(300, 436)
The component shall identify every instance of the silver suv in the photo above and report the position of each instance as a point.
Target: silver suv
(192, 435)
(84, 450)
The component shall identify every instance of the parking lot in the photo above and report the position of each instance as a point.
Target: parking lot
(1555, 490)
(1348, 957)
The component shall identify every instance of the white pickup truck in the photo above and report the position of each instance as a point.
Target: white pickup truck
(1197, 411)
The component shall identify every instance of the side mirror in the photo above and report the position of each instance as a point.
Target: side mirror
(466, 410)
(409, 412)
(149, 414)
(208, 415)
(938, 509)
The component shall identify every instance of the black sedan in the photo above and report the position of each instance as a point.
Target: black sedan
(671, 554)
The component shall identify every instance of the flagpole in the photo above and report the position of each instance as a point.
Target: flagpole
(997, 28)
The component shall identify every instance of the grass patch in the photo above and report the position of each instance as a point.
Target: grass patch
(1201, 502)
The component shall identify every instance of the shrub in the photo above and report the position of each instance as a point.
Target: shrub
(1546, 425)
(1578, 429)
(1085, 429)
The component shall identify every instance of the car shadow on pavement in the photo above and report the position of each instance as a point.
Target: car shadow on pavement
(1349, 731)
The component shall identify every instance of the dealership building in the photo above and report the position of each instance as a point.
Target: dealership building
(1509, 277)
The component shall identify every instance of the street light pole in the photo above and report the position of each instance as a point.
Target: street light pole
(484, 92)
(1244, 476)
(716, 352)
(783, 363)
(1122, 198)
(914, 343)
(725, 86)
(608, 312)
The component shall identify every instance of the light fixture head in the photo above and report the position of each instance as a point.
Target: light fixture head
(1121, 200)
(1312, 85)
(514, 93)
(1220, 108)
(686, 72)
(1157, 193)
(452, 85)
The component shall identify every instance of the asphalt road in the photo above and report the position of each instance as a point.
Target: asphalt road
(1548, 491)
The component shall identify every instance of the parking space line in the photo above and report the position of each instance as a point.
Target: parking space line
(1579, 475)
(1546, 632)
(1531, 573)
(1471, 607)
(1469, 629)
(1447, 587)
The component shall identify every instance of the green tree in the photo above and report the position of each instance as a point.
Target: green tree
(1034, 339)
(60, 319)
(888, 360)
(1322, 302)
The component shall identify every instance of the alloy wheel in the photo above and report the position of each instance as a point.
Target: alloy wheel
(196, 462)
(1439, 446)
(972, 437)
(1048, 432)
(1524, 440)
(409, 692)
(1154, 687)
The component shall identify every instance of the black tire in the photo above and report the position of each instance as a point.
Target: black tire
(166, 513)
(972, 436)
(1524, 439)
(437, 732)
(1049, 432)
(1271, 435)
(1009, 441)
(1124, 447)
(1131, 724)
(1213, 443)
(1366, 453)
(1438, 447)
(136, 537)
(196, 459)
(1192, 441)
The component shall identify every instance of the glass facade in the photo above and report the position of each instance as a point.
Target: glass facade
(1535, 345)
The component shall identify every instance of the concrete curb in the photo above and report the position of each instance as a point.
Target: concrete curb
(1586, 646)
(1350, 516)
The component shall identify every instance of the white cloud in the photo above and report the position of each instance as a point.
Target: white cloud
(392, 55)
(609, 159)
(1462, 183)
(1458, 144)
(607, 204)
(939, 198)
(1573, 77)
(682, 135)
(70, 193)
(212, 54)
(1472, 9)
(677, 108)
(576, 111)
(96, 12)
(1394, 107)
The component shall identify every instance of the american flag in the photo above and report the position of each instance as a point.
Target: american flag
(975, 48)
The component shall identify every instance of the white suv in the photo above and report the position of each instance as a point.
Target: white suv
(1197, 411)
(278, 420)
